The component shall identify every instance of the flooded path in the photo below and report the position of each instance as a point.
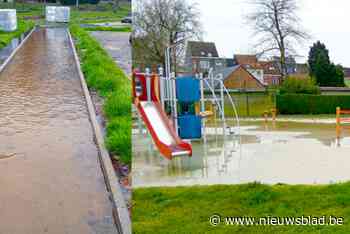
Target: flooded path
(289, 152)
(53, 182)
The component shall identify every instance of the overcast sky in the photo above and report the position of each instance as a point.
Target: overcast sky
(325, 20)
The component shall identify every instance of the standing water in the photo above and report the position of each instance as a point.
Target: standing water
(287, 152)
(50, 176)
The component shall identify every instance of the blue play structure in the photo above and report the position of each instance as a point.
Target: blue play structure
(187, 94)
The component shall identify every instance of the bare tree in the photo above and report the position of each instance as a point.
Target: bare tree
(277, 27)
(162, 23)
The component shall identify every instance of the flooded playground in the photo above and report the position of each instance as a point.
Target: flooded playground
(284, 152)
(49, 170)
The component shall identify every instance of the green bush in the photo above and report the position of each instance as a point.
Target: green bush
(311, 104)
(104, 76)
(305, 85)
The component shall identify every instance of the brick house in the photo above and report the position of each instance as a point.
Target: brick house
(251, 64)
(272, 76)
(238, 78)
(346, 73)
(201, 56)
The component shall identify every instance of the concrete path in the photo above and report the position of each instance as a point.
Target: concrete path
(118, 46)
(50, 175)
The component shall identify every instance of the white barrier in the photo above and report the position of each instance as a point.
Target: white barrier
(57, 14)
(8, 20)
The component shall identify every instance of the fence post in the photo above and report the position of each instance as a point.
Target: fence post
(265, 116)
(273, 112)
(338, 122)
(247, 103)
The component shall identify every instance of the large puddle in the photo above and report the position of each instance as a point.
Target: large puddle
(287, 152)
(50, 175)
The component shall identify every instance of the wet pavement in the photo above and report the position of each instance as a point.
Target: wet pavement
(118, 46)
(287, 152)
(50, 173)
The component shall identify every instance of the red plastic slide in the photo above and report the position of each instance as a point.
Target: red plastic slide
(163, 133)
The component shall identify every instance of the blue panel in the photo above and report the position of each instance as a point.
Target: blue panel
(190, 127)
(187, 89)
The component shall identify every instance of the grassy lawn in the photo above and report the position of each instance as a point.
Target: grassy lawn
(103, 75)
(95, 14)
(187, 209)
(23, 26)
(86, 13)
(110, 29)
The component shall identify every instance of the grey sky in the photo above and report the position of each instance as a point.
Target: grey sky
(326, 20)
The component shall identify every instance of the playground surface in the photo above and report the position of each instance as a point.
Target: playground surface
(50, 172)
(269, 154)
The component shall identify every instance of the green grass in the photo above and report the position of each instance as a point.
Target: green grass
(104, 76)
(23, 26)
(110, 29)
(96, 15)
(187, 209)
(87, 13)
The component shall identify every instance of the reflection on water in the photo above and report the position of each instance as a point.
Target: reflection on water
(53, 183)
(6, 51)
(285, 152)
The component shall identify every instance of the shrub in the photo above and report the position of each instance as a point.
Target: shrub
(311, 104)
(303, 85)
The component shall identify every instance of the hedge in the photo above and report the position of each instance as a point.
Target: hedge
(311, 104)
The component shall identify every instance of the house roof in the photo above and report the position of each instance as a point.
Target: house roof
(245, 59)
(201, 49)
(226, 72)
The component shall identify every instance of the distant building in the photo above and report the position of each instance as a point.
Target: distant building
(251, 64)
(201, 56)
(238, 78)
(272, 75)
(346, 73)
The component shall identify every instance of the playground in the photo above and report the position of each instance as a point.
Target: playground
(287, 166)
(188, 131)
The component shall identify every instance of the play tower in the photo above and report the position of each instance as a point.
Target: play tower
(173, 109)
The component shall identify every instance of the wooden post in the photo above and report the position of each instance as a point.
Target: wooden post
(273, 113)
(265, 116)
(338, 122)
